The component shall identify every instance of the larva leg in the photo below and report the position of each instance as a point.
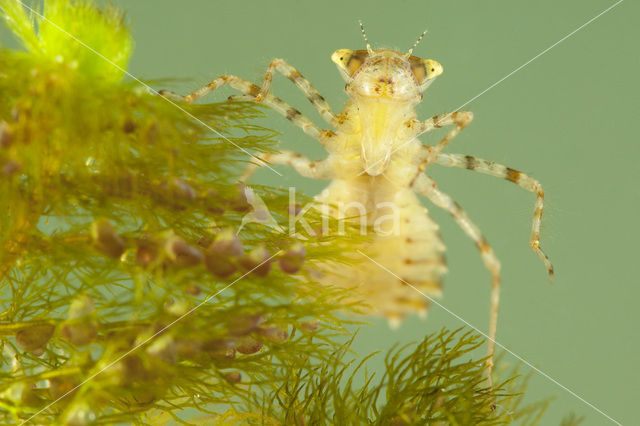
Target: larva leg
(521, 179)
(251, 91)
(303, 84)
(461, 119)
(426, 186)
(304, 166)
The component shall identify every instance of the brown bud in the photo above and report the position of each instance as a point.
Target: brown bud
(151, 133)
(164, 348)
(213, 201)
(293, 259)
(129, 126)
(79, 333)
(80, 307)
(178, 308)
(34, 337)
(203, 242)
(193, 290)
(219, 255)
(216, 345)
(309, 325)
(6, 135)
(143, 397)
(257, 261)
(222, 267)
(233, 377)
(220, 348)
(106, 239)
(182, 253)
(273, 333)
(187, 347)
(11, 167)
(133, 370)
(80, 328)
(241, 202)
(59, 386)
(181, 189)
(248, 345)
(242, 325)
(226, 243)
(146, 252)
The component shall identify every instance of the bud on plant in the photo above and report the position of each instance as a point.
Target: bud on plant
(273, 333)
(106, 239)
(181, 189)
(220, 348)
(293, 259)
(6, 135)
(241, 325)
(212, 202)
(178, 308)
(129, 126)
(309, 325)
(248, 345)
(233, 377)
(193, 290)
(59, 386)
(242, 201)
(34, 337)
(164, 348)
(257, 261)
(226, 243)
(79, 334)
(146, 252)
(80, 307)
(80, 327)
(182, 253)
(219, 256)
(11, 167)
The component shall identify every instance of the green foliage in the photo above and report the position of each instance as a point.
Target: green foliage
(94, 41)
(125, 294)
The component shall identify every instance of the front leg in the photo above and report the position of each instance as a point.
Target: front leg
(307, 168)
(521, 179)
(461, 119)
(303, 84)
(250, 92)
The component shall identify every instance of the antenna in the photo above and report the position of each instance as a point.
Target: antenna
(416, 43)
(364, 34)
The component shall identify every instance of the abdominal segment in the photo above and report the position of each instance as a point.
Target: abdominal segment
(401, 266)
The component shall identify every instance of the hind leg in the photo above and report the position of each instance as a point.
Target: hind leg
(427, 187)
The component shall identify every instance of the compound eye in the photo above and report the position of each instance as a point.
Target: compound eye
(432, 68)
(424, 69)
(349, 60)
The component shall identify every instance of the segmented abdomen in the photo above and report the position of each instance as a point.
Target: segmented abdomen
(406, 253)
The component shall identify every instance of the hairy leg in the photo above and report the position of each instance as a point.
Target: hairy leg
(311, 169)
(521, 179)
(426, 186)
(303, 84)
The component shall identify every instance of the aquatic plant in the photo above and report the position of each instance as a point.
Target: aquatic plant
(127, 294)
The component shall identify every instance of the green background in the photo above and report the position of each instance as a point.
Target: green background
(568, 118)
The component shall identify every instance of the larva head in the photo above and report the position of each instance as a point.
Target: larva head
(384, 85)
(385, 74)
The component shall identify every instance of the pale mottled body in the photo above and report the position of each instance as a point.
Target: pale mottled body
(376, 162)
(409, 245)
